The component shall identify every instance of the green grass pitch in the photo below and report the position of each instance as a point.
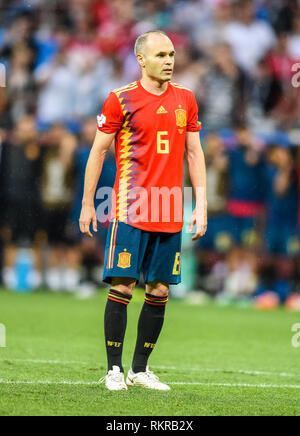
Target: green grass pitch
(218, 360)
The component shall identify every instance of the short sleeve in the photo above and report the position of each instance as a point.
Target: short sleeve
(112, 117)
(193, 124)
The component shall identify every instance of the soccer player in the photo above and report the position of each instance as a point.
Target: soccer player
(153, 122)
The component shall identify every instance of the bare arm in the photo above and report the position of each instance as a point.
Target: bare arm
(93, 170)
(197, 169)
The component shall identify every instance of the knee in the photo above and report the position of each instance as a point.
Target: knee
(158, 289)
(123, 284)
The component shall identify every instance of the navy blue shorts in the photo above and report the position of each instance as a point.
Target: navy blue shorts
(130, 251)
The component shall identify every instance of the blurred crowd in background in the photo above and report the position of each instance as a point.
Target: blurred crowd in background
(62, 58)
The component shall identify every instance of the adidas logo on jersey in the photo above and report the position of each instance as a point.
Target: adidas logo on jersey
(162, 110)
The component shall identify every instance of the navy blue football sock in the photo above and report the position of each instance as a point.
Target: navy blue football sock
(149, 327)
(115, 322)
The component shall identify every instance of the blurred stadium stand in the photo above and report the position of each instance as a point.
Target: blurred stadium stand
(62, 59)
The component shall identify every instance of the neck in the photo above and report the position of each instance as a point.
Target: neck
(154, 86)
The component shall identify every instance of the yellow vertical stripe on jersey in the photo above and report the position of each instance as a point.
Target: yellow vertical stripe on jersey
(111, 244)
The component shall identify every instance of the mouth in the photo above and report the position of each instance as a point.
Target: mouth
(168, 71)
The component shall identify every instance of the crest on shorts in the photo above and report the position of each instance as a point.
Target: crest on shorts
(181, 120)
(124, 259)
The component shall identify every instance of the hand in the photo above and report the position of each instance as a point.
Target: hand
(199, 217)
(88, 215)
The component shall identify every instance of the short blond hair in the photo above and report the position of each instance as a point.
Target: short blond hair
(142, 39)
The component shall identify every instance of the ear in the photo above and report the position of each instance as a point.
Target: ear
(141, 60)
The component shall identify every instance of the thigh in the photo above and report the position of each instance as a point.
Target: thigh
(162, 261)
(124, 251)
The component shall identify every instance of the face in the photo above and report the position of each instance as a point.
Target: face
(55, 135)
(157, 61)
(245, 11)
(214, 145)
(26, 130)
(223, 12)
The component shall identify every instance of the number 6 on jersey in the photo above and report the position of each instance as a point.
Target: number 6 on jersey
(163, 145)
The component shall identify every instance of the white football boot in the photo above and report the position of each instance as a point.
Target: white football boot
(114, 380)
(146, 379)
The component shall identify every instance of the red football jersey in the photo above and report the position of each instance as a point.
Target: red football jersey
(150, 143)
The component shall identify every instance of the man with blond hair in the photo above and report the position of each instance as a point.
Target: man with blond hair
(153, 122)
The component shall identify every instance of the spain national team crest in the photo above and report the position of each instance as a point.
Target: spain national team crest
(124, 260)
(181, 119)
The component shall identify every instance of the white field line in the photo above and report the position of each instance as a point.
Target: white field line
(50, 362)
(229, 371)
(238, 385)
(168, 368)
(47, 382)
(82, 383)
